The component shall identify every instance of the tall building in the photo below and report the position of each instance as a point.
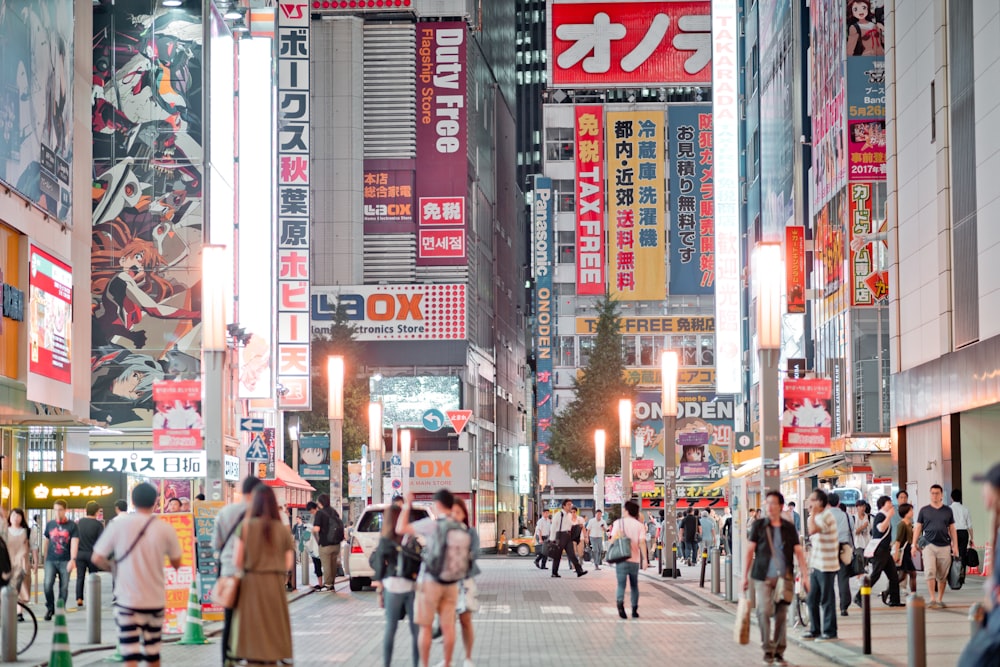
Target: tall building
(530, 81)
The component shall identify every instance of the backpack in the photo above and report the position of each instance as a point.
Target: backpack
(408, 558)
(448, 554)
(334, 528)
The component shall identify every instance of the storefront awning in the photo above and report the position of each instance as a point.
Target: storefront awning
(816, 468)
(285, 477)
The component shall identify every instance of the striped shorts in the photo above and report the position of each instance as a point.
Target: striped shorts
(139, 626)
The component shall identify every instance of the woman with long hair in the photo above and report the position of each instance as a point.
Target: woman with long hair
(395, 579)
(262, 631)
(629, 526)
(19, 548)
(467, 598)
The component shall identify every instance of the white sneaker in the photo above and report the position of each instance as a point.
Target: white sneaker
(468, 663)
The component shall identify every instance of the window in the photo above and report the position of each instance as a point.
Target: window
(688, 349)
(628, 350)
(565, 196)
(707, 351)
(566, 247)
(646, 349)
(586, 348)
(567, 351)
(558, 143)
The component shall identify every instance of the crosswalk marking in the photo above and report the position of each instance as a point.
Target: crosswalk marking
(556, 610)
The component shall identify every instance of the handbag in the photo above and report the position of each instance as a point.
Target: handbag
(918, 560)
(226, 591)
(857, 566)
(620, 550)
(956, 573)
(741, 631)
(588, 553)
(552, 548)
(784, 586)
(972, 558)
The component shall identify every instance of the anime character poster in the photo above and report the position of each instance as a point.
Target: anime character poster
(865, 28)
(177, 422)
(36, 101)
(147, 206)
(806, 418)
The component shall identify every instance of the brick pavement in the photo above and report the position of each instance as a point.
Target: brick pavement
(527, 618)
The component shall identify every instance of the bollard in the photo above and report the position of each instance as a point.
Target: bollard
(916, 631)
(704, 564)
(93, 608)
(8, 624)
(866, 615)
(977, 615)
(306, 561)
(729, 579)
(716, 584)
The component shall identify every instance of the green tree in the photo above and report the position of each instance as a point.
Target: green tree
(595, 402)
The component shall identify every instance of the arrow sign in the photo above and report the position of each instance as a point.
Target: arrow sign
(459, 418)
(252, 425)
(257, 452)
(433, 420)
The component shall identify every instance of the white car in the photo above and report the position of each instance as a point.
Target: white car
(364, 538)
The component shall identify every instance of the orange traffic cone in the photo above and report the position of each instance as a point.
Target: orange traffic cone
(987, 568)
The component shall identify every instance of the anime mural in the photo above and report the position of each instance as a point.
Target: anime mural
(147, 206)
(36, 101)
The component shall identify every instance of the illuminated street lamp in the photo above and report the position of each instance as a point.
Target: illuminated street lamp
(768, 272)
(404, 452)
(600, 438)
(375, 446)
(215, 284)
(668, 406)
(335, 413)
(625, 444)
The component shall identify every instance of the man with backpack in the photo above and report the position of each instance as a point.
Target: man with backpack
(329, 531)
(447, 557)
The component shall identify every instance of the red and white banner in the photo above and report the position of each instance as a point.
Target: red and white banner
(795, 268)
(869, 280)
(806, 417)
(594, 43)
(177, 422)
(588, 128)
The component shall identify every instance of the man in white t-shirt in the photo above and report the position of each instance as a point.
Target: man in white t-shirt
(138, 543)
(594, 535)
(541, 534)
(963, 523)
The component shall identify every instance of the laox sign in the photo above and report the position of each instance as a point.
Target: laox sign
(381, 307)
(432, 468)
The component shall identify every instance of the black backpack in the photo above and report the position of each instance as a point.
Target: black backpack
(334, 528)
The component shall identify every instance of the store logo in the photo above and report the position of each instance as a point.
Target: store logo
(292, 11)
(13, 302)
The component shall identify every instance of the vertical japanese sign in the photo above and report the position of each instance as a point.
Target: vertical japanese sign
(50, 316)
(178, 582)
(588, 129)
(726, 143)
(441, 143)
(806, 418)
(866, 118)
(636, 262)
(388, 197)
(692, 200)
(541, 220)
(205, 513)
(314, 457)
(869, 284)
(177, 422)
(293, 208)
(795, 268)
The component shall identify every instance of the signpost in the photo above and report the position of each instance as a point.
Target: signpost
(459, 418)
(432, 420)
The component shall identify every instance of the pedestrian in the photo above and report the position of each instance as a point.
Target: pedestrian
(727, 531)
(596, 530)
(796, 517)
(542, 529)
(774, 543)
(224, 545)
(689, 531)
(629, 526)
(845, 551)
(862, 524)
(901, 497)
(882, 552)
(936, 523)
(329, 530)
(468, 602)
(709, 532)
(139, 543)
(561, 534)
(395, 577)
(19, 548)
(63, 540)
(984, 646)
(437, 586)
(824, 563)
(650, 534)
(902, 556)
(263, 551)
(312, 547)
(576, 533)
(963, 523)
(89, 529)
(121, 507)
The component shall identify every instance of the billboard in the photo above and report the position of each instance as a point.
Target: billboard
(293, 194)
(726, 144)
(588, 129)
(392, 312)
(866, 118)
(314, 457)
(869, 249)
(441, 184)
(177, 422)
(542, 221)
(50, 316)
(430, 471)
(795, 268)
(388, 196)
(158, 465)
(405, 398)
(636, 229)
(692, 200)
(654, 324)
(805, 417)
(827, 99)
(36, 102)
(595, 44)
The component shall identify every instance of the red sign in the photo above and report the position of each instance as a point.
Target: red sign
(590, 262)
(795, 264)
(177, 422)
(50, 316)
(641, 43)
(442, 243)
(806, 418)
(459, 418)
(869, 280)
(388, 193)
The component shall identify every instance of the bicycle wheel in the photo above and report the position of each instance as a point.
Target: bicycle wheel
(801, 611)
(27, 629)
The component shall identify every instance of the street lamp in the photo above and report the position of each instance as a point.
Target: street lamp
(375, 445)
(668, 406)
(769, 272)
(335, 413)
(214, 288)
(294, 431)
(600, 438)
(404, 453)
(625, 445)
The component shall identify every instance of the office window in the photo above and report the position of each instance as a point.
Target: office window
(558, 143)
(586, 349)
(567, 351)
(628, 350)
(566, 247)
(565, 195)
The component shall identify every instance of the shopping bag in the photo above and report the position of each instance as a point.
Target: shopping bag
(956, 573)
(741, 631)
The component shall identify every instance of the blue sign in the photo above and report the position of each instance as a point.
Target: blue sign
(257, 452)
(541, 220)
(396, 460)
(252, 425)
(314, 457)
(692, 200)
(433, 420)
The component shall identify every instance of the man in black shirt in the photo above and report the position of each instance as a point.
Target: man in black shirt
(937, 524)
(325, 526)
(689, 530)
(89, 529)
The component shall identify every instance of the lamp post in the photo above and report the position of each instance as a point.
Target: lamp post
(294, 431)
(625, 444)
(600, 439)
(769, 271)
(404, 455)
(668, 406)
(213, 350)
(375, 446)
(335, 413)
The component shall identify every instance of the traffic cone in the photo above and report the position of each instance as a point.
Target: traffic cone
(988, 560)
(194, 633)
(60, 655)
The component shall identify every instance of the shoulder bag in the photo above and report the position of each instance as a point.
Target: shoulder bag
(784, 586)
(117, 561)
(226, 589)
(621, 549)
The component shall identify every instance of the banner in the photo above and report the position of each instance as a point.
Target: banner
(314, 457)
(154, 465)
(50, 313)
(636, 234)
(795, 268)
(692, 200)
(205, 513)
(441, 143)
(542, 255)
(392, 312)
(178, 582)
(806, 419)
(355, 481)
(613, 490)
(642, 476)
(388, 197)
(590, 239)
(869, 249)
(653, 324)
(177, 422)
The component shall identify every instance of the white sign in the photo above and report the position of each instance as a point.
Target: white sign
(231, 470)
(726, 135)
(161, 465)
(430, 471)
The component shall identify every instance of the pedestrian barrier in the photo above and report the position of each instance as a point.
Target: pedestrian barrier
(194, 633)
(716, 584)
(93, 608)
(60, 656)
(916, 631)
(704, 564)
(988, 560)
(866, 615)
(8, 625)
(730, 593)
(977, 615)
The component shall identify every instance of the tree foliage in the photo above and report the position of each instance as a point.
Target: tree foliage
(595, 403)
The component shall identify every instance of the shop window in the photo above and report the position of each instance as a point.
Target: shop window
(586, 349)
(647, 350)
(628, 350)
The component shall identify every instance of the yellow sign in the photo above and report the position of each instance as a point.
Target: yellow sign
(687, 376)
(43, 492)
(653, 325)
(636, 230)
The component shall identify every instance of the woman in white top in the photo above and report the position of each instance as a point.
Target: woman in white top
(19, 548)
(963, 523)
(629, 526)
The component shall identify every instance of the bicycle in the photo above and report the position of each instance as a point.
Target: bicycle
(801, 605)
(27, 627)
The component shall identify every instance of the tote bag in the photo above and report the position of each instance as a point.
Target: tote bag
(621, 549)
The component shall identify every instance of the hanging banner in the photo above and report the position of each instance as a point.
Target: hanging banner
(642, 476)
(543, 265)
(314, 457)
(355, 480)
(636, 262)
(178, 582)
(692, 200)
(869, 284)
(806, 418)
(50, 317)
(590, 238)
(866, 117)
(388, 197)
(795, 268)
(613, 490)
(205, 513)
(177, 422)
